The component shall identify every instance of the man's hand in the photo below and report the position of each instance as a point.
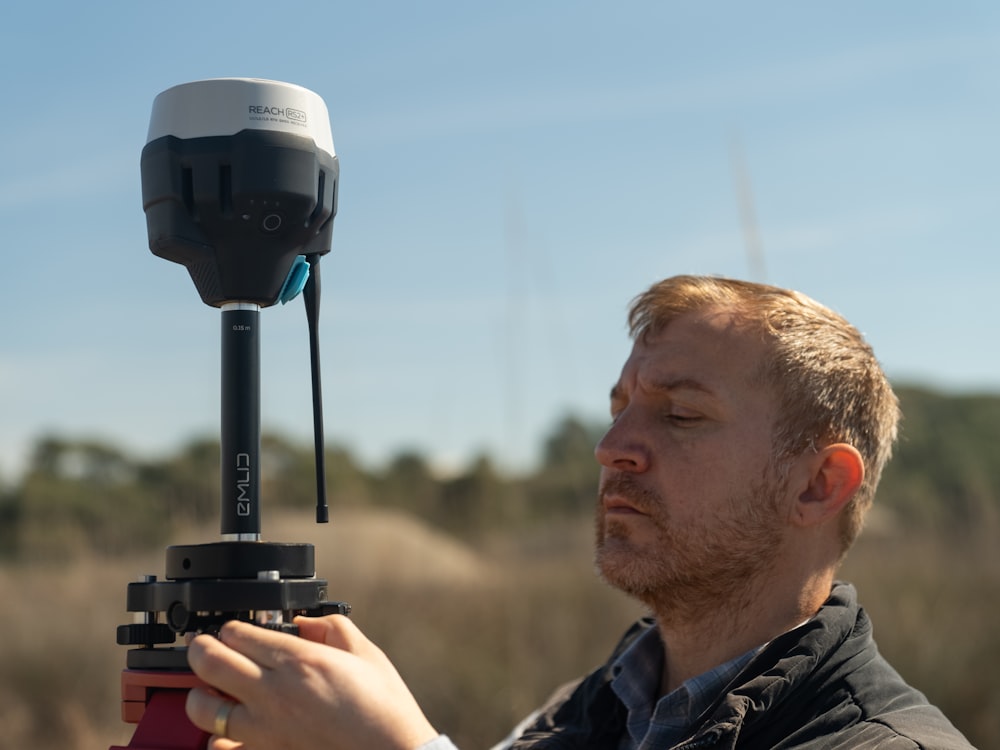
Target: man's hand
(330, 688)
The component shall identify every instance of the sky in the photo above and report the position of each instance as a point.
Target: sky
(512, 174)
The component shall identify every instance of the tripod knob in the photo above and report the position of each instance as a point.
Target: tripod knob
(144, 634)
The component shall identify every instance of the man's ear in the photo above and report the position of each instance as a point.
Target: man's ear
(834, 474)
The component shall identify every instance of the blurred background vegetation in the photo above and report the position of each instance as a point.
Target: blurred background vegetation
(479, 585)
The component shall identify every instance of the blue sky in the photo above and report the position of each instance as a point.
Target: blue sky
(511, 175)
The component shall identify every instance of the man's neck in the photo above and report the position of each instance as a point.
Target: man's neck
(697, 641)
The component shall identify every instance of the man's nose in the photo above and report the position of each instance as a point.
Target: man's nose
(622, 447)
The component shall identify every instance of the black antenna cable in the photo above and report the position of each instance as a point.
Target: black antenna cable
(311, 294)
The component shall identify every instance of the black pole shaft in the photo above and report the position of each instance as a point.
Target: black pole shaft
(240, 461)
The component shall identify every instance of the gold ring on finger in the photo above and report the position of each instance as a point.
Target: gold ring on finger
(221, 724)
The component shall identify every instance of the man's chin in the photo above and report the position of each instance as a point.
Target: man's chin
(622, 565)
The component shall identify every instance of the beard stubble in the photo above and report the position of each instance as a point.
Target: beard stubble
(688, 572)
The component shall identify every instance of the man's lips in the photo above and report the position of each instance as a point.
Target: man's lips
(621, 495)
(616, 504)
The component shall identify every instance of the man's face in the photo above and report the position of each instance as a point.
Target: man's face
(690, 508)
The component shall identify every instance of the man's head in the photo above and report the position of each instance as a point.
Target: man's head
(829, 387)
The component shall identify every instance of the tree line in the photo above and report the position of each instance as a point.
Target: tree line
(83, 495)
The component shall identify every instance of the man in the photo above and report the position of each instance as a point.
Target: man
(750, 427)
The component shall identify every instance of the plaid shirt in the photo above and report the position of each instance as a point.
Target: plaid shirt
(662, 723)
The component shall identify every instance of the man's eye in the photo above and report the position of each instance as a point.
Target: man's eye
(683, 419)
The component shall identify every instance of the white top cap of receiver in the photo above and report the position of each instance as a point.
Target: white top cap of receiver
(225, 106)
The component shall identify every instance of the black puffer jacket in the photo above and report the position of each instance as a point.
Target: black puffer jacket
(821, 686)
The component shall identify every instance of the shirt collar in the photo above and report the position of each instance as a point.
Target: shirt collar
(637, 673)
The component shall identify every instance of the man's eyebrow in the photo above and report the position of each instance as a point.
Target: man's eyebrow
(680, 384)
(667, 385)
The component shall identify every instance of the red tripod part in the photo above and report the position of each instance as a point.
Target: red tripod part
(155, 701)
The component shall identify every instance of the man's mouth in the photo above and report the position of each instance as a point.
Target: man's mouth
(616, 504)
(619, 496)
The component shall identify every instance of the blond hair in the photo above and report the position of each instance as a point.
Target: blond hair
(829, 385)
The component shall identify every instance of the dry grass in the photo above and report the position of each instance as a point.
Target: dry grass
(61, 666)
(480, 634)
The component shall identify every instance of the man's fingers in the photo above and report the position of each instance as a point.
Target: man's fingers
(330, 688)
(333, 630)
(223, 667)
(267, 648)
(221, 716)
(263, 647)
